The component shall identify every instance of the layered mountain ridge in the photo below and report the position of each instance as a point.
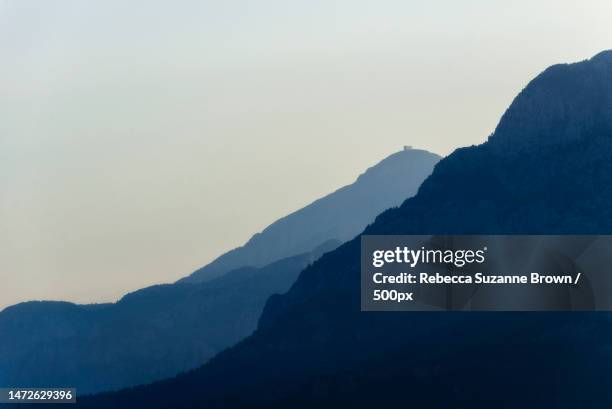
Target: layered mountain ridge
(148, 335)
(338, 216)
(545, 170)
(159, 331)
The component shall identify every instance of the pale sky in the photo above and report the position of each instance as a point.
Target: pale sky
(141, 139)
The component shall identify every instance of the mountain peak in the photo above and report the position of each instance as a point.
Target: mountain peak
(603, 56)
(398, 159)
(341, 215)
(565, 103)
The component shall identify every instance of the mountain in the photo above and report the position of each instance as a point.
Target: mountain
(338, 216)
(149, 334)
(545, 169)
(162, 330)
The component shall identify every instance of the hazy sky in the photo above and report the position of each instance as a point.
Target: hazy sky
(140, 139)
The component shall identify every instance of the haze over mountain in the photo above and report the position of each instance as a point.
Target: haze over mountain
(545, 170)
(148, 335)
(162, 330)
(338, 216)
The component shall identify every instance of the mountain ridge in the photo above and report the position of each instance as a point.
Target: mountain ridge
(161, 330)
(315, 348)
(107, 346)
(321, 220)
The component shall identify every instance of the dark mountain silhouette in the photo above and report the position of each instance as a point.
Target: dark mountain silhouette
(162, 330)
(149, 334)
(338, 216)
(546, 169)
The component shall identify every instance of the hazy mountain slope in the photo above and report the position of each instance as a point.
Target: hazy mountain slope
(159, 331)
(315, 348)
(149, 334)
(338, 216)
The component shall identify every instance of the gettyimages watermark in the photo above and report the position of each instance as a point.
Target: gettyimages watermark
(486, 273)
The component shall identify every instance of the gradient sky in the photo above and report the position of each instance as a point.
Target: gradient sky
(140, 139)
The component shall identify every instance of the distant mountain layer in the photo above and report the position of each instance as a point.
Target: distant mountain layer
(338, 216)
(547, 170)
(162, 330)
(149, 334)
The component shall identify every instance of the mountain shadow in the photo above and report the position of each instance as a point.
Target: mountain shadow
(545, 170)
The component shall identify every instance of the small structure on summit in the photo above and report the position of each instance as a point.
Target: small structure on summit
(407, 147)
